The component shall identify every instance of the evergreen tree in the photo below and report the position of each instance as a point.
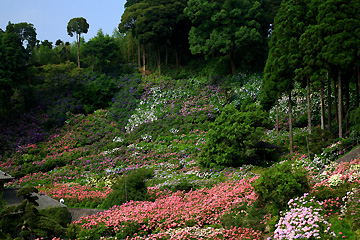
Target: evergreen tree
(284, 54)
(339, 23)
(77, 26)
(224, 26)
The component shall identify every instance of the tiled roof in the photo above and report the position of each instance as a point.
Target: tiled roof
(43, 201)
(5, 177)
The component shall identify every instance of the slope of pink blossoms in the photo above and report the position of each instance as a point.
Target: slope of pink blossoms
(204, 207)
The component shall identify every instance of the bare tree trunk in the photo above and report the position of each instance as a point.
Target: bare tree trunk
(322, 119)
(347, 100)
(158, 59)
(166, 54)
(277, 116)
(177, 58)
(336, 101)
(308, 103)
(357, 87)
(139, 55)
(340, 104)
(290, 125)
(144, 67)
(132, 51)
(232, 61)
(78, 48)
(329, 101)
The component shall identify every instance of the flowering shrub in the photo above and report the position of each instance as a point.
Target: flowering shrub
(200, 207)
(336, 174)
(302, 222)
(304, 219)
(74, 193)
(194, 233)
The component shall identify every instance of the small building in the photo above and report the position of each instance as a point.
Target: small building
(9, 195)
(43, 200)
(4, 178)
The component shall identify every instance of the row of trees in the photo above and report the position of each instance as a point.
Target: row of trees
(316, 43)
(232, 28)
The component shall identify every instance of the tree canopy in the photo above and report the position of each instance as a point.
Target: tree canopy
(223, 26)
(77, 26)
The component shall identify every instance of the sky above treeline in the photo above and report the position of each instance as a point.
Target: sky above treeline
(50, 18)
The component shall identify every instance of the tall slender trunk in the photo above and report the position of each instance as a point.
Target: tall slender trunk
(132, 51)
(322, 118)
(336, 101)
(232, 59)
(290, 125)
(277, 116)
(357, 87)
(177, 58)
(166, 54)
(78, 48)
(158, 59)
(329, 100)
(347, 100)
(144, 67)
(139, 55)
(308, 103)
(340, 104)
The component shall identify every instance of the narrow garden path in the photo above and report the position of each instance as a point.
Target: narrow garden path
(350, 156)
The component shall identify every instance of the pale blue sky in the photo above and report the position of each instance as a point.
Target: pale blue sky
(50, 18)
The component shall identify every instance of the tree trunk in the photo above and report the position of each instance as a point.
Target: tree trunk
(232, 62)
(340, 113)
(144, 68)
(322, 119)
(357, 87)
(166, 54)
(336, 101)
(277, 116)
(290, 125)
(347, 100)
(139, 55)
(158, 59)
(78, 49)
(177, 61)
(329, 100)
(308, 103)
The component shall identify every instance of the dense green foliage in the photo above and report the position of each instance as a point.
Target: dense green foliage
(231, 136)
(25, 220)
(130, 186)
(223, 26)
(280, 183)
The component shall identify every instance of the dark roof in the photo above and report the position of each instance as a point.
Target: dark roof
(5, 177)
(43, 201)
(262, 144)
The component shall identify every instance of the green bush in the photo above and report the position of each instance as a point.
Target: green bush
(129, 228)
(355, 122)
(279, 184)
(319, 139)
(246, 216)
(325, 192)
(130, 187)
(60, 214)
(232, 134)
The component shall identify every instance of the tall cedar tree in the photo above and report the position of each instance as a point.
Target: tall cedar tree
(224, 26)
(284, 57)
(77, 26)
(339, 22)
